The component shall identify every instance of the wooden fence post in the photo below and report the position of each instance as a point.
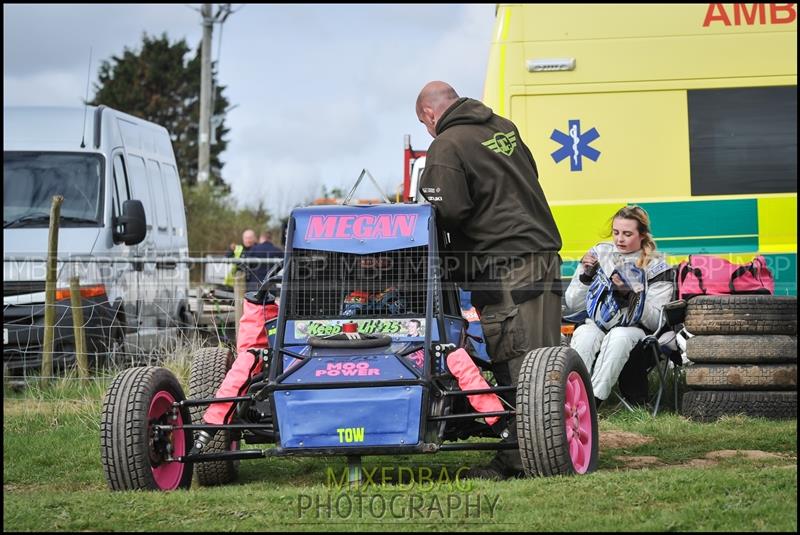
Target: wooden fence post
(77, 327)
(50, 289)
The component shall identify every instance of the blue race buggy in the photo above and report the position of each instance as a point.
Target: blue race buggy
(356, 365)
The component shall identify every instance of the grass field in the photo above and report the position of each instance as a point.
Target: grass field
(655, 474)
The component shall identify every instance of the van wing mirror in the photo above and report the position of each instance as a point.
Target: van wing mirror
(134, 222)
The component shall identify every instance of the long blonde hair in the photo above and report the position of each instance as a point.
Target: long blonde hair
(638, 214)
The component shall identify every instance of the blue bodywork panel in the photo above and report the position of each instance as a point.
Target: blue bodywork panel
(342, 417)
(342, 366)
(471, 315)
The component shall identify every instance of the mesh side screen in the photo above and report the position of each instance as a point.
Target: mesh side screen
(331, 284)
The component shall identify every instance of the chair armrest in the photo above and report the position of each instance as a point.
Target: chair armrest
(675, 312)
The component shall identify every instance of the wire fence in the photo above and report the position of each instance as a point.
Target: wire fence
(131, 312)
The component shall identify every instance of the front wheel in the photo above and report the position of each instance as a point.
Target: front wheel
(135, 453)
(556, 415)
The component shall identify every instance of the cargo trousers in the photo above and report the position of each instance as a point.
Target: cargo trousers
(521, 313)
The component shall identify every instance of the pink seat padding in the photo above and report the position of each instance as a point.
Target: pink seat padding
(469, 378)
(251, 335)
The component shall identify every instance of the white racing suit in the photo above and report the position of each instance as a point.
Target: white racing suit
(608, 352)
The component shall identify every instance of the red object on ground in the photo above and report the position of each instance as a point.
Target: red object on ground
(251, 335)
(469, 378)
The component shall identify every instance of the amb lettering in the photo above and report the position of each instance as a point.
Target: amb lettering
(750, 14)
(362, 227)
(353, 369)
(350, 434)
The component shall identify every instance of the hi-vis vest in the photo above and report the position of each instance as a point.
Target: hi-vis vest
(237, 252)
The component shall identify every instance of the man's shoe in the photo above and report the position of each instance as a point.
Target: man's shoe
(484, 472)
(495, 470)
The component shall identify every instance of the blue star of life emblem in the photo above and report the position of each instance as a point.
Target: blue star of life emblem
(575, 145)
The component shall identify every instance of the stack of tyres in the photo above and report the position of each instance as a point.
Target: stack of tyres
(744, 356)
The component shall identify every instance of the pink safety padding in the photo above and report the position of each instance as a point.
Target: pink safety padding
(469, 378)
(251, 335)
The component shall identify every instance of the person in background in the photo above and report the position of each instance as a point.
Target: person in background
(248, 240)
(606, 339)
(263, 249)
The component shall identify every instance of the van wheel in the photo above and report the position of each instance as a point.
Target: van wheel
(110, 354)
(556, 415)
(184, 325)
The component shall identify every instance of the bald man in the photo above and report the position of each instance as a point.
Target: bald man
(483, 183)
(248, 240)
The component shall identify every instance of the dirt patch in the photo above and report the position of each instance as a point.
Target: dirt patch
(712, 458)
(709, 460)
(698, 463)
(756, 455)
(641, 461)
(622, 439)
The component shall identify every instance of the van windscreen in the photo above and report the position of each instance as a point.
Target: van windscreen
(31, 179)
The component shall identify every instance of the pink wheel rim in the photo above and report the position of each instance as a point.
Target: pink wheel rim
(167, 475)
(578, 423)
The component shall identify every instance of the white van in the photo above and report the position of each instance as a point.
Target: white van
(122, 201)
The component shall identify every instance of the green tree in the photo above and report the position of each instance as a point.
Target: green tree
(214, 221)
(156, 83)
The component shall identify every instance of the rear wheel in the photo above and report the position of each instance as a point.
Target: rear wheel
(556, 415)
(135, 453)
(208, 370)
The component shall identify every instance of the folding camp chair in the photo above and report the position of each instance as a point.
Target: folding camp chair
(655, 351)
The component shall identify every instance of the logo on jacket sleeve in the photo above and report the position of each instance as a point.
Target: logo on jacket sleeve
(502, 143)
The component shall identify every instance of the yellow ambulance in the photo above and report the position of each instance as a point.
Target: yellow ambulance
(689, 110)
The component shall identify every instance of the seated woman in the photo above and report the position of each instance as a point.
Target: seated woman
(622, 287)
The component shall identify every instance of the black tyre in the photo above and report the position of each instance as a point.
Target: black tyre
(742, 376)
(556, 416)
(749, 349)
(708, 406)
(209, 367)
(135, 455)
(742, 314)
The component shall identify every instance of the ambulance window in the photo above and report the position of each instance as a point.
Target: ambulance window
(743, 140)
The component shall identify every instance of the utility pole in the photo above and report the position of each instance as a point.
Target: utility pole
(204, 157)
(207, 89)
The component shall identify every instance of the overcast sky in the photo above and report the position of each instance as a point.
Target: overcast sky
(322, 91)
